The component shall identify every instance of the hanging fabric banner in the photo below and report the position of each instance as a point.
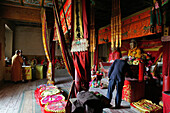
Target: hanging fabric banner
(80, 56)
(92, 34)
(116, 24)
(80, 42)
(64, 50)
(45, 44)
(56, 33)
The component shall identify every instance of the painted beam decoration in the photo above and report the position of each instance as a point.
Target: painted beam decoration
(133, 26)
(67, 15)
(164, 2)
(48, 3)
(32, 2)
(137, 25)
(64, 4)
(14, 0)
(104, 35)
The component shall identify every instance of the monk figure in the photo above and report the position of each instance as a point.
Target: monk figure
(17, 66)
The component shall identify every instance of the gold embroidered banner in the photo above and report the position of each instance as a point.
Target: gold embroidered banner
(78, 29)
(92, 29)
(116, 24)
(45, 44)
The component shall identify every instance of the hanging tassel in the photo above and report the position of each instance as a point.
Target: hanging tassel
(157, 17)
(160, 17)
(151, 19)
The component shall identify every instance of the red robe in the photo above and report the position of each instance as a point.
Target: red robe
(114, 55)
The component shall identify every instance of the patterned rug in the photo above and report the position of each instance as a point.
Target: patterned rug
(28, 103)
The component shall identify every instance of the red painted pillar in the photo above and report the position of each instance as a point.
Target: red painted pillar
(166, 77)
(96, 55)
(166, 66)
(53, 59)
(141, 72)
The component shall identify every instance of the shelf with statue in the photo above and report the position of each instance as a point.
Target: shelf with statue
(147, 60)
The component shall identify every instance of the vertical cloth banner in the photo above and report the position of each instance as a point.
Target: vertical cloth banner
(92, 35)
(64, 50)
(46, 48)
(116, 24)
(80, 45)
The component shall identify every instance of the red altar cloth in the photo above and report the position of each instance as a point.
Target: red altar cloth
(166, 101)
(133, 90)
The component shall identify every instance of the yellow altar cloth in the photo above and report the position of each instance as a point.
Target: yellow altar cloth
(39, 71)
(27, 72)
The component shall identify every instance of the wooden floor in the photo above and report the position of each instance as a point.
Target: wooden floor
(11, 94)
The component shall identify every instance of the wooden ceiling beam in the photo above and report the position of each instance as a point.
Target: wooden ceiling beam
(20, 14)
(23, 13)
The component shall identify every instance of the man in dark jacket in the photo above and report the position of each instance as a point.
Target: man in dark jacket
(116, 74)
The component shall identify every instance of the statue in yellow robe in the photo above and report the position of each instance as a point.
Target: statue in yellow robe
(134, 52)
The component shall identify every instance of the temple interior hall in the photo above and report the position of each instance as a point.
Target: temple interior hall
(84, 56)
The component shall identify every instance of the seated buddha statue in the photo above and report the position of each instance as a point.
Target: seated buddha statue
(134, 52)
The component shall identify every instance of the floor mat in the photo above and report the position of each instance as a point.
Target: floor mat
(28, 103)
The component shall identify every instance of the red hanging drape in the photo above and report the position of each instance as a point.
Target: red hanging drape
(81, 58)
(64, 49)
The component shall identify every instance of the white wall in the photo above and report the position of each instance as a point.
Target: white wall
(8, 43)
(29, 40)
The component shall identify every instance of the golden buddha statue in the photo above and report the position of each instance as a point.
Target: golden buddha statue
(134, 52)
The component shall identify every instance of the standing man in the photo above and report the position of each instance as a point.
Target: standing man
(17, 66)
(116, 75)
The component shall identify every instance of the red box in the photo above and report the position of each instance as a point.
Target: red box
(133, 90)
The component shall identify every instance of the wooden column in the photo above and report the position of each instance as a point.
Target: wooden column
(92, 34)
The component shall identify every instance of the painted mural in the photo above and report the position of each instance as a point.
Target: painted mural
(39, 3)
(104, 34)
(32, 2)
(13, 0)
(133, 26)
(48, 3)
